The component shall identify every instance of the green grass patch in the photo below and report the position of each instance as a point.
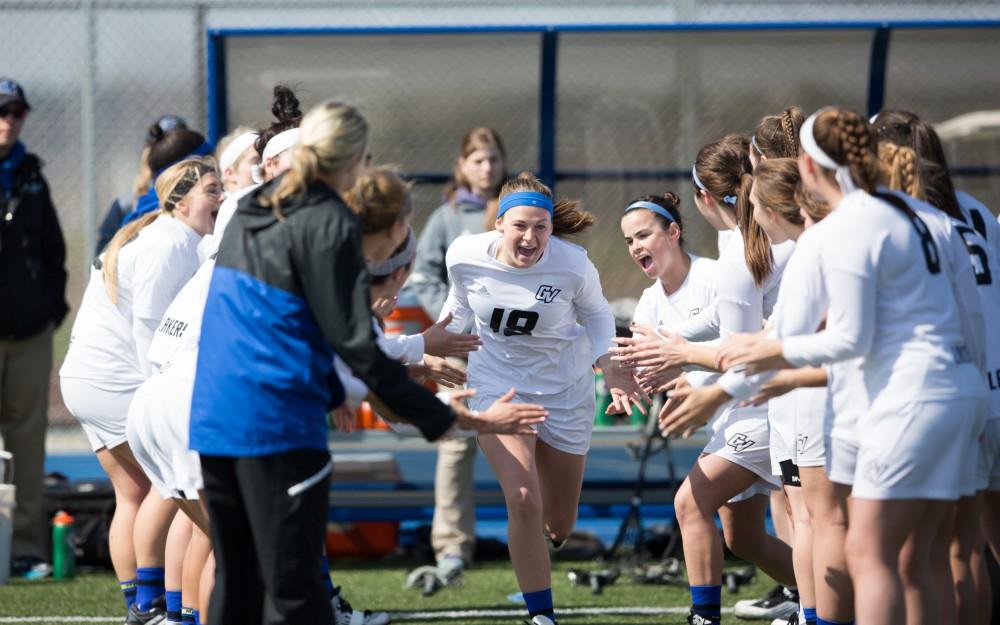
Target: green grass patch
(380, 586)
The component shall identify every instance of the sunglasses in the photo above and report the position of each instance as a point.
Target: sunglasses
(17, 112)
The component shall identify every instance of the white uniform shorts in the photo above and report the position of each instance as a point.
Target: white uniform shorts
(810, 412)
(102, 413)
(988, 475)
(781, 432)
(740, 435)
(570, 423)
(919, 448)
(158, 430)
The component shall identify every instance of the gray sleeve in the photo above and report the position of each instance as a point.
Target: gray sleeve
(429, 281)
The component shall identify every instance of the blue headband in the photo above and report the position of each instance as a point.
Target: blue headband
(524, 198)
(652, 206)
(729, 199)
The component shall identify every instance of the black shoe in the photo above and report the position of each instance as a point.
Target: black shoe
(156, 614)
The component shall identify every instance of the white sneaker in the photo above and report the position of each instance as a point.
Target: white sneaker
(781, 603)
(540, 620)
(344, 614)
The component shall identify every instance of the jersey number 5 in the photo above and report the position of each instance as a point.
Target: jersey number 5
(980, 260)
(518, 322)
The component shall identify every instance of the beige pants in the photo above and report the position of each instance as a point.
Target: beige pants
(25, 367)
(453, 532)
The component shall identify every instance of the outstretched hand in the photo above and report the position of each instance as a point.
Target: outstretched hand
(756, 351)
(438, 341)
(502, 417)
(625, 391)
(650, 349)
(689, 408)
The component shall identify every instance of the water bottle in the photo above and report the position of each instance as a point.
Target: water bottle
(63, 546)
(6, 513)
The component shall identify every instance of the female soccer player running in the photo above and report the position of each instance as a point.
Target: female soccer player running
(901, 295)
(526, 289)
(131, 284)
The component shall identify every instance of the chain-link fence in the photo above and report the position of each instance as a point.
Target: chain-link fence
(637, 102)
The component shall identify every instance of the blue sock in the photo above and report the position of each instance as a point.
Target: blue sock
(197, 617)
(540, 603)
(187, 616)
(173, 606)
(809, 616)
(707, 601)
(128, 592)
(823, 621)
(149, 581)
(326, 576)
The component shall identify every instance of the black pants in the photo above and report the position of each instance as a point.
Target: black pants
(268, 544)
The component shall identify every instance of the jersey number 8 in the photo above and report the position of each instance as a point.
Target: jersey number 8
(519, 322)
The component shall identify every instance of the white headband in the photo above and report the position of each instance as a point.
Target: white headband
(842, 172)
(235, 148)
(279, 143)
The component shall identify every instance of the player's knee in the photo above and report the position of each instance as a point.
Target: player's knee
(685, 507)
(526, 504)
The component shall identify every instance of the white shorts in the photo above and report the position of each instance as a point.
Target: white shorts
(810, 411)
(570, 423)
(102, 413)
(740, 435)
(158, 430)
(988, 477)
(781, 431)
(919, 449)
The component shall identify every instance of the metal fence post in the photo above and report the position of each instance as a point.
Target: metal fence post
(547, 109)
(877, 69)
(88, 132)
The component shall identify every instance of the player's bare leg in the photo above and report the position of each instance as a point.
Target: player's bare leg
(827, 503)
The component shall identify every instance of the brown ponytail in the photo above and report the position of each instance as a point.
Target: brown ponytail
(379, 198)
(724, 168)
(901, 169)
(849, 139)
(777, 136)
(816, 209)
(775, 182)
(567, 216)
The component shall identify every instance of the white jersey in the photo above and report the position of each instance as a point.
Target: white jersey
(696, 294)
(527, 317)
(180, 326)
(981, 220)
(901, 295)
(399, 347)
(986, 268)
(109, 342)
(743, 306)
(800, 307)
(210, 242)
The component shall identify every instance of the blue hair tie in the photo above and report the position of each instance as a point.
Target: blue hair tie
(729, 199)
(524, 198)
(652, 206)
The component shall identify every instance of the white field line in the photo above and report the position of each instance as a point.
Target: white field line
(406, 616)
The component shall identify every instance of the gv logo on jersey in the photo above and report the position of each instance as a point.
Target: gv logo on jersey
(693, 312)
(547, 293)
(740, 442)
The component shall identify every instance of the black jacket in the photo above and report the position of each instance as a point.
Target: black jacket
(32, 256)
(285, 295)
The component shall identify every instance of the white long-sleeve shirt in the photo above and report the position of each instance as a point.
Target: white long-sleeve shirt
(528, 317)
(109, 343)
(903, 300)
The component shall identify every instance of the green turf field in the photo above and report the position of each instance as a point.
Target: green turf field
(381, 586)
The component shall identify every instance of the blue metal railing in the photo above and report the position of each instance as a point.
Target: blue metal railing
(547, 168)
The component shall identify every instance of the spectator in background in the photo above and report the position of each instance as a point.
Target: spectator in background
(32, 304)
(123, 204)
(479, 171)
